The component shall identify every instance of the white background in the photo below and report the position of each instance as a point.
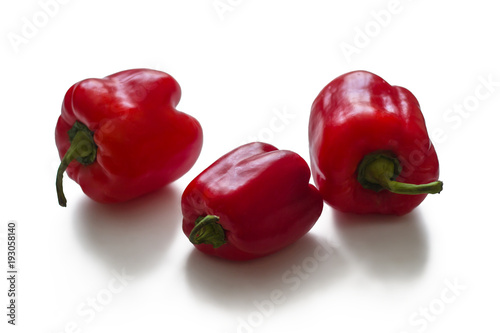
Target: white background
(238, 67)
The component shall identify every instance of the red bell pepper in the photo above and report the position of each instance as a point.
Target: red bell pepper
(121, 137)
(253, 201)
(369, 147)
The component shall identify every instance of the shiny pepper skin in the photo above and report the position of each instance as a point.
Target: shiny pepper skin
(121, 137)
(369, 147)
(252, 202)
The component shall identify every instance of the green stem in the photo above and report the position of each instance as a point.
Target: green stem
(207, 231)
(377, 172)
(405, 188)
(82, 149)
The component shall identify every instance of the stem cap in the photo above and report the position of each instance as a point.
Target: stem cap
(378, 171)
(208, 231)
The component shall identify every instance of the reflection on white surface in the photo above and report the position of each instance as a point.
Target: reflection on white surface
(134, 234)
(389, 248)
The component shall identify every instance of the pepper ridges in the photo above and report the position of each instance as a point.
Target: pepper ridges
(121, 137)
(369, 147)
(251, 202)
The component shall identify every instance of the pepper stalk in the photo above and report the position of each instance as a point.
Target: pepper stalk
(377, 172)
(82, 149)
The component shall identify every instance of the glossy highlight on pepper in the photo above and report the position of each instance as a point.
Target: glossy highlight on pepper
(121, 136)
(251, 202)
(369, 147)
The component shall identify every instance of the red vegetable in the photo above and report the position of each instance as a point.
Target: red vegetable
(369, 147)
(121, 137)
(251, 202)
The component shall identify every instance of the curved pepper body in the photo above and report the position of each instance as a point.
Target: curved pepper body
(358, 114)
(143, 142)
(261, 196)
